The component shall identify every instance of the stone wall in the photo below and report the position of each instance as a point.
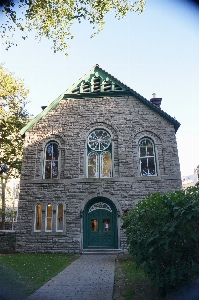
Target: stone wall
(128, 120)
(7, 241)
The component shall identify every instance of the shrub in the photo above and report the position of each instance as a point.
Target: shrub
(163, 235)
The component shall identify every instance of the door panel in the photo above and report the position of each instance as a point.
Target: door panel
(101, 233)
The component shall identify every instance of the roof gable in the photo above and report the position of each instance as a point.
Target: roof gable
(98, 83)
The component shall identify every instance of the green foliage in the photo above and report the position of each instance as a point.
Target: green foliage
(54, 18)
(163, 234)
(25, 273)
(13, 118)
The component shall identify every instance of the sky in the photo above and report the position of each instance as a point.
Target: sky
(155, 52)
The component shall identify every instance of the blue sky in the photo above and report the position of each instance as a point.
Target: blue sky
(157, 51)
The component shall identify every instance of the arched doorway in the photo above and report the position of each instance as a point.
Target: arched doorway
(100, 224)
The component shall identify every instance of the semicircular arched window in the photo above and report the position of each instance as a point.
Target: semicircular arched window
(51, 161)
(147, 157)
(99, 154)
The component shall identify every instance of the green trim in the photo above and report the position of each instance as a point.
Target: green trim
(41, 115)
(97, 71)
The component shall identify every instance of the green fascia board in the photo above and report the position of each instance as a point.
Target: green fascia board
(41, 115)
(126, 91)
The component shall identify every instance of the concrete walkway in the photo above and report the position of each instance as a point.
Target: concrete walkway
(89, 277)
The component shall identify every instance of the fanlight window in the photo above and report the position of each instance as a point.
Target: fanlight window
(51, 161)
(147, 158)
(99, 154)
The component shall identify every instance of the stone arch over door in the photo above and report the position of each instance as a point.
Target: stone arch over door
(100, 230)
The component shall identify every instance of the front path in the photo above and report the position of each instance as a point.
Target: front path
(89, 277)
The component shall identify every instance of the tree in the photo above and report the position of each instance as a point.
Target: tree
(163, 235)
(13, 117)
(53, 18)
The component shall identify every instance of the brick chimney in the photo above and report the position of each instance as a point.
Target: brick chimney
(156, 101)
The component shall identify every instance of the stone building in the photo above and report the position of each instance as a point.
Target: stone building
(89, 157)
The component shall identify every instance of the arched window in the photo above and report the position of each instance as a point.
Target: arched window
(51, 161)
(147, 157)
(99, 154)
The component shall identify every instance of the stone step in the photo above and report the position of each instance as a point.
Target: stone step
(102, 251)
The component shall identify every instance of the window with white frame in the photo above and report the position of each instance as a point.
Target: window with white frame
(49, 217)
(99, 154)
(38, 217)
(60, 218)
(51, 161)
(147, 158)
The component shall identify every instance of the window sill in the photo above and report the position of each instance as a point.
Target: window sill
(148, 178)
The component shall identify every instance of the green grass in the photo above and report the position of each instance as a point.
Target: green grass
(25, 273)
(137, 285)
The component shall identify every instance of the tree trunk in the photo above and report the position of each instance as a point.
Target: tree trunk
(3, 201)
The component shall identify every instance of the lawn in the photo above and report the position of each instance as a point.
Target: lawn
(131, 283)
(22, 274)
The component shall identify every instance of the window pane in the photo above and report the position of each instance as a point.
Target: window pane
(49, 150)
(151, 166)
(94, 225)
(143, 166)
(60, 214)
(54, 169)
(93, 165)
(55, 151)
(48, 170)
(106, 225)
(150, 151)
(38, 217)
(106, 164)
(49, 217)
(142, 151)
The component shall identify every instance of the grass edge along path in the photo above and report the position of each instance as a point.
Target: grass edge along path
(131, 283)
(22, 274)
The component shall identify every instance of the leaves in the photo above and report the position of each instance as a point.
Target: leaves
(13, 118)
(53, 18)
(163, 234)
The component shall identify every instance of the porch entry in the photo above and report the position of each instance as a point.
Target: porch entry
(100, 224)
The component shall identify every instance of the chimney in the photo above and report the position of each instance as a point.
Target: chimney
(156, 101)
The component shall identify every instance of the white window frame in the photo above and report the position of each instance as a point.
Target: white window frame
(48, 218)
(35, 219)
(57, 211)
(147, 157)
(99, 153)
(44, 160)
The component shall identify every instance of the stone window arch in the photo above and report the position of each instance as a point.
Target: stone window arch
(51, 160)
(147, 157)
(99, 154)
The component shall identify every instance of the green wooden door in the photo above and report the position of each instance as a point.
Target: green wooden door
(100, 226)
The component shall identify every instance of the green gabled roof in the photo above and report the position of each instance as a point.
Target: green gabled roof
(98, 83)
